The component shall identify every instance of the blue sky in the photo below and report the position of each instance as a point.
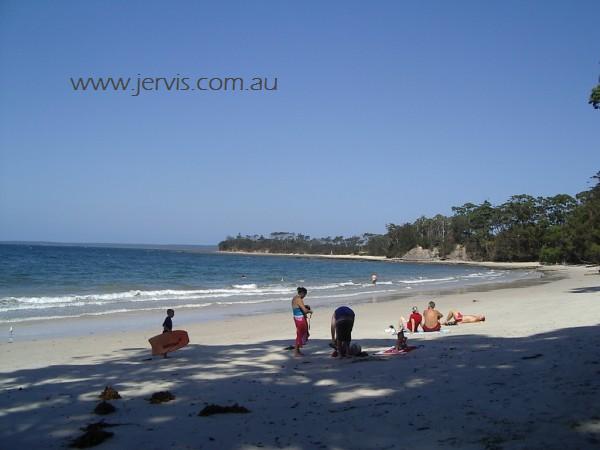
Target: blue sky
(384, 111)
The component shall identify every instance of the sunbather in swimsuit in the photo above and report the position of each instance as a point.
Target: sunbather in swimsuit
(455, 317)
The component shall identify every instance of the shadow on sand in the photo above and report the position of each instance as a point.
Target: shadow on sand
(585, 290)
(463, 392)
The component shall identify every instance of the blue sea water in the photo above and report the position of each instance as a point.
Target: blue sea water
(49, 282)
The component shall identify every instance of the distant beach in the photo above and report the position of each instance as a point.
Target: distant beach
(499, 265)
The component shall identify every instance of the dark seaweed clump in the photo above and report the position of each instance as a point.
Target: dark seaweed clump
(218, 409)
(104, 408)
(162, 397)
(91, 438)
(109, 394)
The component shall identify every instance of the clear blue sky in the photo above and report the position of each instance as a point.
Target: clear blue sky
(385, 111)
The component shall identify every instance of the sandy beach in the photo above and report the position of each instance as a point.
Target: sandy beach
(526, 378)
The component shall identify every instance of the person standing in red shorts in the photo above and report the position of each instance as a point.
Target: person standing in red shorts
(300, 311)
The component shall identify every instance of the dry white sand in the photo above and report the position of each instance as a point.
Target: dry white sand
(527, 378)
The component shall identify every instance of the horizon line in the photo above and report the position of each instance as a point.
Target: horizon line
(24, 242)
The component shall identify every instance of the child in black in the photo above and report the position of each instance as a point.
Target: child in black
(168, 323)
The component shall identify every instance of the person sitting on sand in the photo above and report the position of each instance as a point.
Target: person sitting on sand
(455, 317)
(342, 323)
(168, 323)
(431, 318)
(300, 311)
(413, 322)
(402, 341)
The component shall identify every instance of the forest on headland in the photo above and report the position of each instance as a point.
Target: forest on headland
(557, 229)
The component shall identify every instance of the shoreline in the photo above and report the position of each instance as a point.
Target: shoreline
(105, 326)
(488, 264)
(524, 378)
(106, 323)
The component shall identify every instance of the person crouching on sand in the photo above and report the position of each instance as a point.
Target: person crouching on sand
(413, 322)
(342, 323)
(300, 312)
(455, 317)
(431, 318)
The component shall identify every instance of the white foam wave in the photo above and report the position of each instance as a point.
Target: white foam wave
(334, 285)
(490, 274)
(250, 293)
(102, 313)
(427, 280)
(11, 303)
(245, 286)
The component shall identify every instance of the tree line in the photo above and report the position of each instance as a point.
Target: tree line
(553, 229)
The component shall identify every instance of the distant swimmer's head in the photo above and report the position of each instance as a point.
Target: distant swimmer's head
(170, 312)
(302, 292)
(432, 304)
(415, 309)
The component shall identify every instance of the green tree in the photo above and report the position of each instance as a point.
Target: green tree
(402, 238)
(583, 226)
(595, 97)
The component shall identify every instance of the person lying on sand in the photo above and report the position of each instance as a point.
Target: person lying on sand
(342, 323)
(413, 322)
(431, 318)
(455, 317)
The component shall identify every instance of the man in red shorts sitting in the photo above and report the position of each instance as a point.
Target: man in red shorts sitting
(431, 318)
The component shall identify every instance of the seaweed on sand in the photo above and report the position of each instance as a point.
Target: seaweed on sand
(91, 438)
(104, 408)
(211, 409)
(161, 397)
(109, 394)
(94, 434)
(99, 426)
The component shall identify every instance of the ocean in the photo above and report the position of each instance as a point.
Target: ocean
(39, 282)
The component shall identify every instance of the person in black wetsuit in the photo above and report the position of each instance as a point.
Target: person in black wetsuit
(168, 323)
